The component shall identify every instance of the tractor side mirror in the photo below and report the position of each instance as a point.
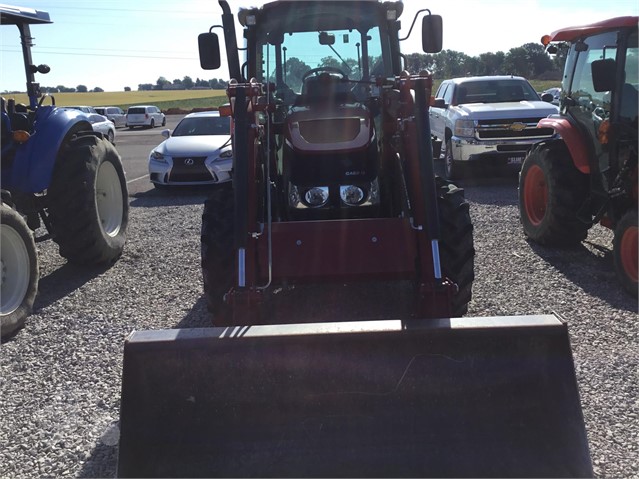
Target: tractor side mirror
(209, 47)
(432, 33)
(603, 74)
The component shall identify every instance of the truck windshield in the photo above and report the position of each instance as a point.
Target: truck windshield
(495, 91)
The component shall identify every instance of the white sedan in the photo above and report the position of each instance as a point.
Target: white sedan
(99, 123)
(197, 152)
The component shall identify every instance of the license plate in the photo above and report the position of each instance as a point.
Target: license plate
(515, 160)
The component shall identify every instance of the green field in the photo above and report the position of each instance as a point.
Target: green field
(180, 99)
(163, 99)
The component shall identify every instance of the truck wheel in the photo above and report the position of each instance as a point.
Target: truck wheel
(456, 246)
(19, 262)
(217, 251)
(88, 201)
(624, 246)
(551, 191)
(453, 169)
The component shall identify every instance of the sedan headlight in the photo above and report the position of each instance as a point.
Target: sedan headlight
(227, 154)
(464, 128)
(157, 156)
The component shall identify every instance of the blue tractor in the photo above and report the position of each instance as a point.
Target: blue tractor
(57, 173)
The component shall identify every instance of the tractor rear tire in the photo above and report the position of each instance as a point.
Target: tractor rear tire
(217, 249)
(624, 247)
(19, 262)
(456, 246)
(88, 201)
(551, 191)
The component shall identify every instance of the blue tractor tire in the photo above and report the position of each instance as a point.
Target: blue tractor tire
(87, 202)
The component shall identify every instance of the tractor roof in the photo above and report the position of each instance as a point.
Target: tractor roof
(10, 15)
(570, 34)
(319, 14)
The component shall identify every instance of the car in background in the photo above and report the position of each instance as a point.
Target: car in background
(487, 122)
(197, 152)
(556, 94)
(99, 123)
(145, 116)
(83, 108)
(114, 113)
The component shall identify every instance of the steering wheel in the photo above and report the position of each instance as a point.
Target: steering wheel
(324, 69)
(45, 96)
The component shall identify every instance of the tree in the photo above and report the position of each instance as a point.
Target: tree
(81, 89)
(127, 88)
(97, 89)
(187, 82)
(294, 71)
(161, 83)
(145, 86)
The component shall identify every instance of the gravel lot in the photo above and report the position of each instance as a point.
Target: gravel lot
(60, 376)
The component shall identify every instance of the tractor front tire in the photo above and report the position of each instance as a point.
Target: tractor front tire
(19, 262)
(551, 191)
(625, 248)
(217, 249)
(88, 201)
(456, 245)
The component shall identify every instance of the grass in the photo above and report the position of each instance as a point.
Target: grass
(163, 99)
(180, 99)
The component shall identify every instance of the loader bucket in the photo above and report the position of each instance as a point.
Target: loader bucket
(461, 397)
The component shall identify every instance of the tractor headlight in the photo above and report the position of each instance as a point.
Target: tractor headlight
(351, 195)
(465, 128)
(316, 196)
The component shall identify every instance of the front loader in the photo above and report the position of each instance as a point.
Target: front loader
(334, 201)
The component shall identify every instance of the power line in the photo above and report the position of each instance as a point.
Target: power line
(107, 55)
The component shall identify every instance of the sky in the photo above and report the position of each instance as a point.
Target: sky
(119, 43)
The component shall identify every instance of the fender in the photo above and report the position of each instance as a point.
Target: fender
(34, 160)
(573, 139)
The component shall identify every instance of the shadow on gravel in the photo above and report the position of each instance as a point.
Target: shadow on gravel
(174, 196)
(599, 279)
(64, 280)
(102, 462)
(198, 317)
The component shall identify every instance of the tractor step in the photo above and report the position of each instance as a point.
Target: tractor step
(480, 397)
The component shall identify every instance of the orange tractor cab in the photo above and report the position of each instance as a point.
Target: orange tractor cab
(589, 174)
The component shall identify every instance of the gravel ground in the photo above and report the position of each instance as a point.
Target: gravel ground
(60, 375)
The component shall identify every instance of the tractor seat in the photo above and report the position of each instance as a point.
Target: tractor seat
(323, 89)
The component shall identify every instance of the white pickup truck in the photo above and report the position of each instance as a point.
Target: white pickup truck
(490, 119)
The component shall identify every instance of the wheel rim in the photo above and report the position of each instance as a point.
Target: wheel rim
(109, 199)
(16, 268)
(628, 249)
(535, 195)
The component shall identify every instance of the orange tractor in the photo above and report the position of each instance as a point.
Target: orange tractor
(589, 174)
(333, 185)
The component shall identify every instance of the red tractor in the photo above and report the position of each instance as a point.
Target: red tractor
(588, 174)
(333, 184)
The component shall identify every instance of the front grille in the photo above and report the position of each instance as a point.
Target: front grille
(182, 171)
(512, 129)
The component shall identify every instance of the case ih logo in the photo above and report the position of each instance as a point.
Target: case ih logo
(518, 126)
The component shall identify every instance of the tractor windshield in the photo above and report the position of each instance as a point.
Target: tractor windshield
(296, 42)
(347, 53)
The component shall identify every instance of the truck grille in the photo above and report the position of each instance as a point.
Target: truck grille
(183, 171)
(512, 129)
